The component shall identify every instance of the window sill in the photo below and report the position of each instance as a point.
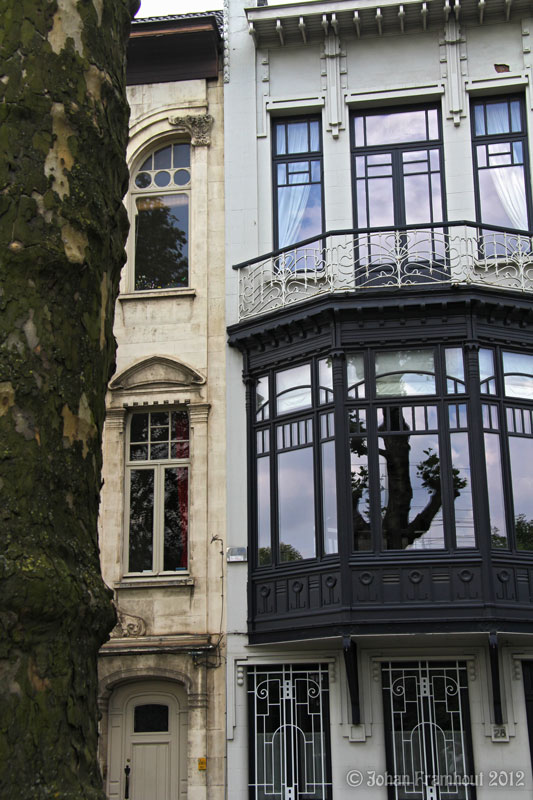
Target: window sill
(156, 293)
(154, 582)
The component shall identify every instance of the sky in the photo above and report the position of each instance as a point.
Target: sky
(160, 8)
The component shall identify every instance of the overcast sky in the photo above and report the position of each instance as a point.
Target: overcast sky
(159, 8)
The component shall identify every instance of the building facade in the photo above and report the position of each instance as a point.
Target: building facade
(379, 273)
(162, 680)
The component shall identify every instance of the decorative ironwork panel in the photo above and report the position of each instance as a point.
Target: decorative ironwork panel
(457, 253)
(289, 727)
(427, 727)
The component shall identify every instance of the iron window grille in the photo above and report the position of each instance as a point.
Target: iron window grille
(427, 731)
(288, 710)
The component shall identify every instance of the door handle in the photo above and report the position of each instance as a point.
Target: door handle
(127, 770)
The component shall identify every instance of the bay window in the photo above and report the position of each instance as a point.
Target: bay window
(408, 419)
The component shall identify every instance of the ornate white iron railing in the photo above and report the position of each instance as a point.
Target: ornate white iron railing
(393, 258)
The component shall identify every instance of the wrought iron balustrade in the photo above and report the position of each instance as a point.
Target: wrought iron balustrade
(455, 253)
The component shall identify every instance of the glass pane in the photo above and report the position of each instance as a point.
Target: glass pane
(281, 146)
(405, 372)
(521, 452)
(159, 451)
(497, 118)
(162, 179)
(161, 242)
(297, 137)
(263, 511)
(516, 121)
(143, 180)
(355, 367)
(360, 494)
(182, 155)
(329, 497)
(455, 372)
(162, 159)
(417, 199)
(462, 491)
(314, 129)
(181, 177)
(293, 389)
(141, 523)
(180, 426)
(325, 380)
(150, 718)
(139, 452)
(261, 398)
(176, 514)
(498, 527)
(487, 379)
(296, 505)
(358, 124)
(503, 197)
(411, 495)
(282, 174)
(479, 120)
(147, 164)
(518, 375)
(139, 428)
(380, 202)
(299, 213)
(396, 128)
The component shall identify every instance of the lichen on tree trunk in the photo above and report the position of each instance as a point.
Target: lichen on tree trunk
(63, 133)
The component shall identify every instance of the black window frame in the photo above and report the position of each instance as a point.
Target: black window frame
(274, 419)
(308, 155)
(397, 149)
(486, 139)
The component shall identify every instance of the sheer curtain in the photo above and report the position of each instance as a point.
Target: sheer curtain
(508, 180)
(293, 199)
(292, 205)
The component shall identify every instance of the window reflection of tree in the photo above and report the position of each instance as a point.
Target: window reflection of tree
(523, 531)
(141, 519)
(286, 553)
(398, 530)
(161, 259)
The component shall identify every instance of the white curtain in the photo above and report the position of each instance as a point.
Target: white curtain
(293, 199)
(292, 205)
(508, 180)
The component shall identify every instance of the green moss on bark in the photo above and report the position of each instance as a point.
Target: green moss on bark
(63, 132)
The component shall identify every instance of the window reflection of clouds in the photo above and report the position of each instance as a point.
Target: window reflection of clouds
(296, 512)
(521, 452)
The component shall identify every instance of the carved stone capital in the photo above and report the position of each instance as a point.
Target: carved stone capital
(128, 625)
(115, 418)
(198, 412)
(197, 126)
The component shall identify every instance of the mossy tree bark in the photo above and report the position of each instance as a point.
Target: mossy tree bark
(63, 133)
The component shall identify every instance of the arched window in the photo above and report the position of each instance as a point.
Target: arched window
(160, 190)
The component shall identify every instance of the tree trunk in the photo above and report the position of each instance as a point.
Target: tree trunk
(63, 133)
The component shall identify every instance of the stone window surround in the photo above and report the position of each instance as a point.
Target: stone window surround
(159, 382)
(164, 127)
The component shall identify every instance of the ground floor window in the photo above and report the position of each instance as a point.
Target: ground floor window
(427, 729)
(289, 729)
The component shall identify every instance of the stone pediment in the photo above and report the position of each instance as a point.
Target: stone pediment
(157, 372)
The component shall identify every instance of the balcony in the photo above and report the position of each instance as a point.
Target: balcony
(370, 259)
